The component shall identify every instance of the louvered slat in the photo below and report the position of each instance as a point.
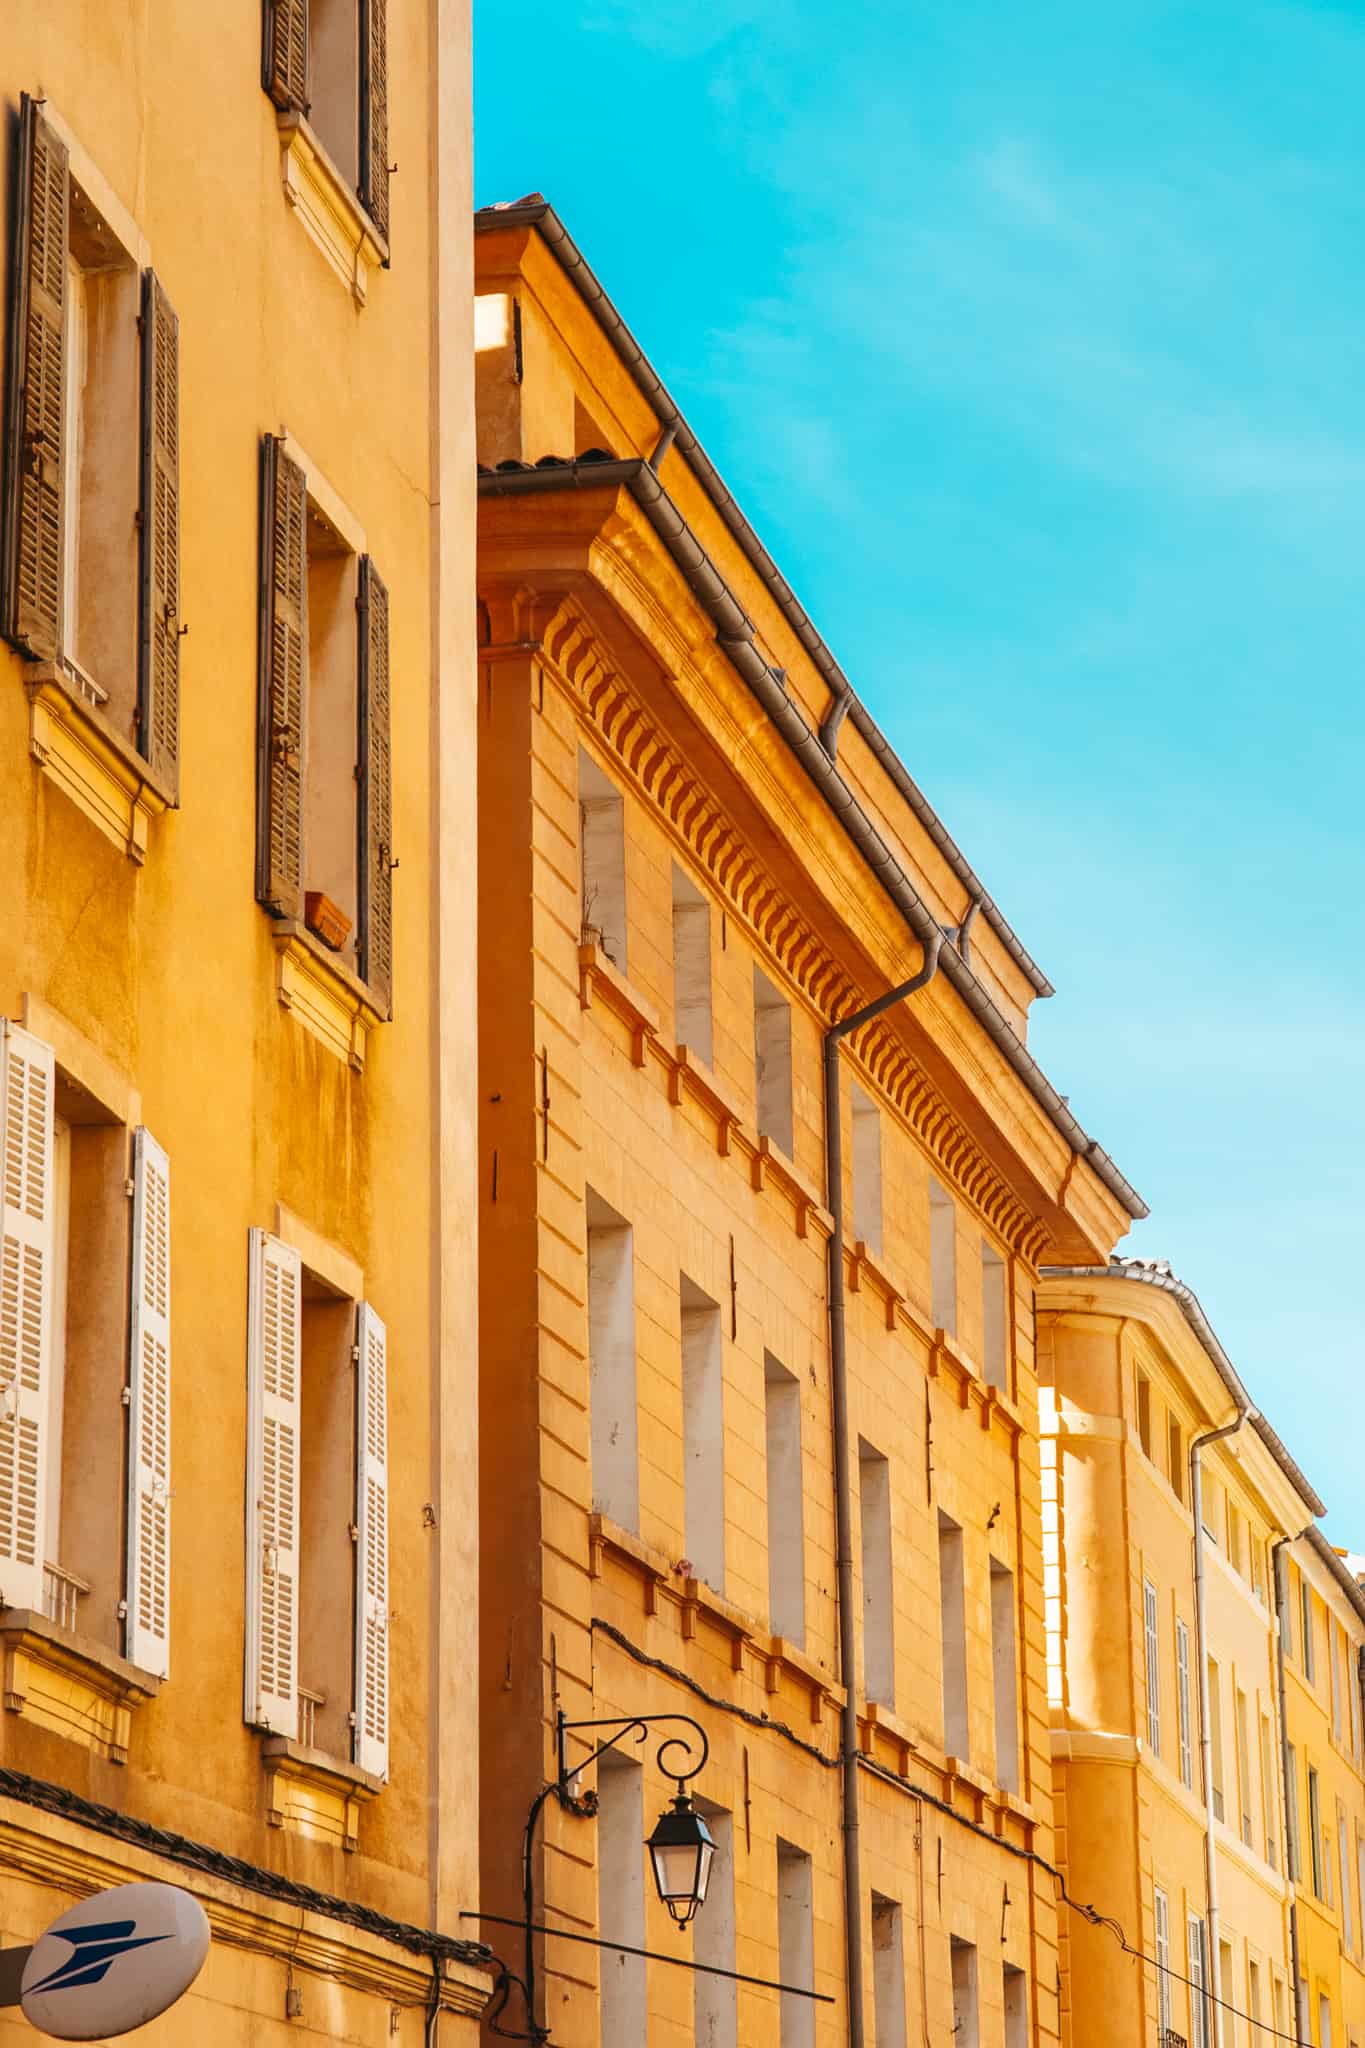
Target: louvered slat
(159, 535)
(281, 732)
(33, 479)
(376, 793)
(372, 1549)
(27, 1252)
(273, 1418)
(374, 111)
(148, 1590)
(284, 53)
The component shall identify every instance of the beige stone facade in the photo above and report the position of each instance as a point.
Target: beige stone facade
(672, 915)
(237, 1330)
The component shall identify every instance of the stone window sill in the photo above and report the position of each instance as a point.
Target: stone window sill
(325, 995)
(331, 214)
(65, 1681)
(314, 1793)
(77, 747)
(598, 975)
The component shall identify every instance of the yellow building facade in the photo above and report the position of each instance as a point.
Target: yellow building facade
(236, 1024)
(1322, 1625)
(697, 854)
(1209, 1794)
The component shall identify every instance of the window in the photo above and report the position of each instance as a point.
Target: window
(1175, 1457)
(995, 1317)
(1003, 1669)
(879, 1642)
(867, 1170)
(1215, 1705)
(1016, 2007)
(786, 1534)
(966, 2017)
(1315, 1834)
(1236, 1528)
(953, 1624)
(1153, 1640)
(67, 1281)
(324, 837)
(1309, 1658)
(1360, 1885)
(942, 1257)
(1197, 1973)
(1285, 1607)
(1334, 1660)
(1163, 1962)
(317, 1596)
(773, 1063)
(1324, 2020)
(1293, 1852)
(796, 1948)
(714, 2015)
(602, 861)
(692, 1019)
(1268, 1793)
(328, 59)
(888, 1973)
(1182, 1703)
(621, 1900)
(703, 1435)
(1254, 1998)
(1243, 1762)
(1144, 1413)
(91, 565)
(1225, 1987)
(611, 1361)
(1257, 1565)
(1344, 1865)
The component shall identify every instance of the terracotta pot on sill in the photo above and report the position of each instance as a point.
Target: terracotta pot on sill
(325, 920)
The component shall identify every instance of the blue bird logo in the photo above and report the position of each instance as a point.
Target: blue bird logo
(95, 1950)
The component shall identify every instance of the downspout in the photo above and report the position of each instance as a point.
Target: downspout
(843, 1474)
(1281, 1609)
(1212, 1995)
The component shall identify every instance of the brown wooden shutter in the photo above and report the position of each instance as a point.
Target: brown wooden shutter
(283, 679)
(374, 111)
(34, 415)
(159, 535)
(284, 53)
(376, 797)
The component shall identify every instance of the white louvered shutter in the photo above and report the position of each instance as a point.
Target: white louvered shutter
(372, 1548)
(272, 1498)
(27, 1252)
(148, 1591)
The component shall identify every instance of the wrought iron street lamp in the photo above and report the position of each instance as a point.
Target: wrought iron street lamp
(681, 1847)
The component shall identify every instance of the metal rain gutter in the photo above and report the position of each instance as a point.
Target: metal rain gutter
(538, 213)
(735, 634)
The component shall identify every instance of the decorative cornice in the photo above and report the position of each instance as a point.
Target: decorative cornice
(570, 650)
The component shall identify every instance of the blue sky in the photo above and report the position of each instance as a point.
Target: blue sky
(1032, 340)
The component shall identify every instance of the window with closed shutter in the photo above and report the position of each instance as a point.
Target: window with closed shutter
(324, 783)
(148, 1595)
(90, 568)
(376, 802)
(274, 1368)
(372, 1547)
(27, 1261)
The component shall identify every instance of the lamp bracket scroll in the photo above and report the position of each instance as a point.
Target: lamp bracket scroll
(681, 1749)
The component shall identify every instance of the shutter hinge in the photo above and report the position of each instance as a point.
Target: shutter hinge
(130, 1189)
(351, 1721)
(123, 1610)
(355, 1354)
(354, 1529)
(126, 1396)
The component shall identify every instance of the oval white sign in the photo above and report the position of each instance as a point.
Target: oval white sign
(114, 1962)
